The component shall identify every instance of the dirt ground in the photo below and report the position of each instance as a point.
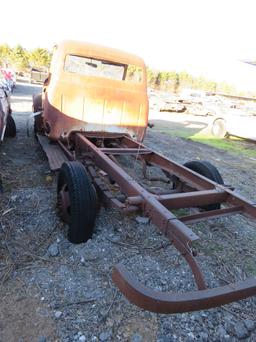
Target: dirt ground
(52, 290)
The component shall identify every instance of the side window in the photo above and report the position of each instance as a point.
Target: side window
(133, 74)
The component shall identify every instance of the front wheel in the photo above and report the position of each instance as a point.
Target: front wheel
(77, 201)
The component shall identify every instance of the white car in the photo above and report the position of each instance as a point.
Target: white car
(236, 122)
(155, 102)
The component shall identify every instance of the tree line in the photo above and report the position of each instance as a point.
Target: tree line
(23, 60)
(175, 81)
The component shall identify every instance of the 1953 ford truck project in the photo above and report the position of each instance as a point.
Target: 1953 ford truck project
(93, 112)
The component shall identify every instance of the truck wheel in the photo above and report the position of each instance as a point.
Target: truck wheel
(219, 128)
(77, 201)
(37, 103)
(10, 131)
(38, 124)
(209, 171)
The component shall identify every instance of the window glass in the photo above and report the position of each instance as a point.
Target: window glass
(93, 67)
(101, 68)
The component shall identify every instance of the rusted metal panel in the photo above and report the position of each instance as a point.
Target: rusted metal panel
(119, 151)
(205, 215)
(79, 99)
(55, 155)
(189, 199)
(129, 186)
(168, 302)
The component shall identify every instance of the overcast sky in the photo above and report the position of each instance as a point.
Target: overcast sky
(202, 37)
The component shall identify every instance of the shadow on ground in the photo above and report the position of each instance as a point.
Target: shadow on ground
(185, 128)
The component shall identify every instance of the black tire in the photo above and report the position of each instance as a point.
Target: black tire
(219, 128)
(80, 215)
(10, 131)
(38, 124)
(37, 103)
(209, 171)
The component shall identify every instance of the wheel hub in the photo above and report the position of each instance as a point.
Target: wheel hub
(64, 203)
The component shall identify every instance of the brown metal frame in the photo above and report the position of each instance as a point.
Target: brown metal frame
(193, 190)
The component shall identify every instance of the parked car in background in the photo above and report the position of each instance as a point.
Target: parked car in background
(5, 86)
(200, 108)
(165, 102)
(38, 75)
(13, 80)
(7, 123)
(155, 101)
(171, 103)
(8, 78)
(197, 102)
(240, 122)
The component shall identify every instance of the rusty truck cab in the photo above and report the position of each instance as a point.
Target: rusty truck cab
(96, 90)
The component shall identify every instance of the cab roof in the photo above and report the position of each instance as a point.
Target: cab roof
(99, 52)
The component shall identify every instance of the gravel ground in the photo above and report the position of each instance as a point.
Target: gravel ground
(52, 290)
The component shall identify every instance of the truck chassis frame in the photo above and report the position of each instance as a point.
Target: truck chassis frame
(97, 153)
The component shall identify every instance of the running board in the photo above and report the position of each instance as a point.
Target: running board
(54, 153)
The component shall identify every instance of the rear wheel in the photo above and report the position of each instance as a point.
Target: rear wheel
(10, 131)
(209, 171)
(38, 124)
(77, 201)
(37, 103)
